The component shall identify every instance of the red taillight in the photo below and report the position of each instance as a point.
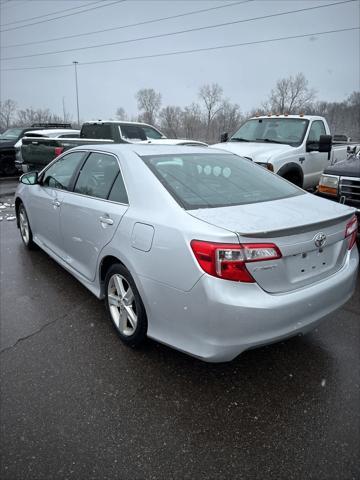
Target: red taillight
(228, 260)
(58, 151)
(351, 231)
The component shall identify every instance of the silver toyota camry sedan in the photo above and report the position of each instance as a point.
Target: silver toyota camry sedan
(199, 249)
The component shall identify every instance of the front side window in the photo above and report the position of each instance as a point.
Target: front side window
(317, 128)
(151, 133)
(289, 131)
(217, 180)
(61, 173)
(97, 175)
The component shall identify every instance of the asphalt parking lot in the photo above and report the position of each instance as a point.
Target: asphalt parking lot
(76, 403)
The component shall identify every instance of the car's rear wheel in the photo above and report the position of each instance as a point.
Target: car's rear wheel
(124, 306)
(25, 230)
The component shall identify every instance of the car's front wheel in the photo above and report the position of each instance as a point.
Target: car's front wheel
(124, 306)
(25, 230)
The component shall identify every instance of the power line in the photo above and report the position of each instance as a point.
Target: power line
(162, 35)
(13, 3)
(48, 14)
(182, 52)
(146, 22)
(62, 16)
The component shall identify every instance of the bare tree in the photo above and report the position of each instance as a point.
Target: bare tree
(211, 95)
(170, 121)
(30, 115)
(149, 103)
(291, 95)
(7, 113)
(228, 119)
(192, 126)
(121, 114)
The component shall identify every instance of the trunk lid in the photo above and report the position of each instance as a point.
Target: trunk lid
(293, 224)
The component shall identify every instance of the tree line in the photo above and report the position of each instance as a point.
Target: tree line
(212, 113)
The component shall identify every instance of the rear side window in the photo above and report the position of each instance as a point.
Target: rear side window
(97, 175)
(217, 180)
(61, 173)
(118, 191)
(97, 131)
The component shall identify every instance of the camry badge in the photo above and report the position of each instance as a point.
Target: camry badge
(320, 239)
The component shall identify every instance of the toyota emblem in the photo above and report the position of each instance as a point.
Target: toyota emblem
(320, 239)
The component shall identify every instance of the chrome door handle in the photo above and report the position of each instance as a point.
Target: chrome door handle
(56, 203)
(106, 220)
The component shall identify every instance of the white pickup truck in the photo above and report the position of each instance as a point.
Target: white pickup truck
(296, 147)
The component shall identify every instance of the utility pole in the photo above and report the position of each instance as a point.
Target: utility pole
(77, 92)
(64, 110)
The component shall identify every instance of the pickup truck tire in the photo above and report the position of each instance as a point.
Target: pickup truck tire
(293, 173)
(25, 230)
(8, 167)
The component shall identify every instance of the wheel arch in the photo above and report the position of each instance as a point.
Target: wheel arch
(18, 202)
(292, 169)
(105, 263)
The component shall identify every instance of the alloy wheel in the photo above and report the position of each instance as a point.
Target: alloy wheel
(122, 305)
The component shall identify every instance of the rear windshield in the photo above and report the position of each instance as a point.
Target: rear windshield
(217, 180)
(96, 131)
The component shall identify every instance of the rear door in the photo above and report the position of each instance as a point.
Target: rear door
(91, 213)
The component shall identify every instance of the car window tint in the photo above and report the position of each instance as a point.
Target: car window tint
(217, 180)
(118, 191)
(317, 128)
(133, 132)
(60, 174)
(96, 130)
(152, 133)
(97, 175)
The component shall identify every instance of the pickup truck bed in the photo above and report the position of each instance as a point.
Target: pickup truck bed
(38, 152)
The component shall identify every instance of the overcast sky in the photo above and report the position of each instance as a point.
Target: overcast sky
(246, 73)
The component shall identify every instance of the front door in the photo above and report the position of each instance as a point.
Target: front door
(47, 197)
(315, 162)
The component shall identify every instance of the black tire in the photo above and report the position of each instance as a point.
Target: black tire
(133, 336)
(26, 238)
(294, 178)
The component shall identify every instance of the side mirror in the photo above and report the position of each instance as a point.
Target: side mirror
(224, 137)
(31, 178)
(325, 143)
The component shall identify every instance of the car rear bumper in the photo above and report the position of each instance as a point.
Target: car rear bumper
(218, 319)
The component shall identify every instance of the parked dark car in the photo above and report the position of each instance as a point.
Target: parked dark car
(7, 145)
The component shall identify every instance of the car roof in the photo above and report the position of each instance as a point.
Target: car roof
(152, 149)
(299, 117)
(119, 122)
